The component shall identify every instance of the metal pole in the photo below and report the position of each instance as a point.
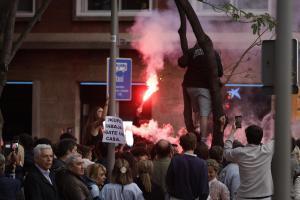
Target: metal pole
(283, 72)
(114, 53)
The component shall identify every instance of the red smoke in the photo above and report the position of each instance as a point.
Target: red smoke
(152, 132)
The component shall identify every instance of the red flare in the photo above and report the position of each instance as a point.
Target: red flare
(152, 83)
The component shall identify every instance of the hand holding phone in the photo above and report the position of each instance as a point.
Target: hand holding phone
(238, 121)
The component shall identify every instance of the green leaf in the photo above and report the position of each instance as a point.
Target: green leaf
(235, 16)
(254, 28)
(249, 15)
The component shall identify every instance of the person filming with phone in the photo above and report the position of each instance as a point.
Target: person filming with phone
(254, 161)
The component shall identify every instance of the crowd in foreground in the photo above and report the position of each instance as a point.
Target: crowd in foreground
(40, 170)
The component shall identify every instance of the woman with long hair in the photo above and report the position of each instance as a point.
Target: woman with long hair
(122, 186)
(149, 188)
(96, 176)
(92, 131)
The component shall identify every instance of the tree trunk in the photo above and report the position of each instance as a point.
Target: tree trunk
(205, 42)
(8, 9)
(8, 33)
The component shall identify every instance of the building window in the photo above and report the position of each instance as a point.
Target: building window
(102, 7)
(254, 6)
(26, 8)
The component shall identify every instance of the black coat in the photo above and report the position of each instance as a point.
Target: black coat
(37, 187)
(156, 193)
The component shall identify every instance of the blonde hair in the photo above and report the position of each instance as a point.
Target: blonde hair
(145, 169)
(121, 173)
(93, 170)
(213, 163)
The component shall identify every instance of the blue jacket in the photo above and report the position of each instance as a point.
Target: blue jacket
(9, 188)
(187, 177)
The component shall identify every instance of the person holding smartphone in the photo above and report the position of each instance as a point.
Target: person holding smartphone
(238, 121)
(10, 188)
(254, 161)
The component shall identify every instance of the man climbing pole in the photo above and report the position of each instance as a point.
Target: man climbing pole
(201, 85)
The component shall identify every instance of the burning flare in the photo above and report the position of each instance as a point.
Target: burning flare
(152, 83)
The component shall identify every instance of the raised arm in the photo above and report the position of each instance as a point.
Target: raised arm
(230, 154)
(105, 108)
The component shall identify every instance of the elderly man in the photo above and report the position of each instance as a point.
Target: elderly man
(72, 176)
(39, 183)
(161, 163)
(254, 161)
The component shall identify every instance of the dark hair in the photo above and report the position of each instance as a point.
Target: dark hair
(84, 150)
(188, 141)
(67, 136)
(237, 144)
(297, 143)
(254, 134)
(64, 146)
(26, 141)
(139, 151)
(163, 148)
(42, 141)
(101, 150)
(92, 122)
(202, 150)
(216, 153)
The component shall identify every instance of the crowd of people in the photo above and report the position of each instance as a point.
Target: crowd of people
(38, 169)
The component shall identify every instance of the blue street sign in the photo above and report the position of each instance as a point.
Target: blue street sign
(123, 78)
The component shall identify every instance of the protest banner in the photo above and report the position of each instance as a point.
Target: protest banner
(113, 130)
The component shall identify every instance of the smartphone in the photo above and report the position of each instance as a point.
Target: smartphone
(7, 149)
(238, 121)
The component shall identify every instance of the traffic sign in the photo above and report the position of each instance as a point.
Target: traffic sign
(123, 78)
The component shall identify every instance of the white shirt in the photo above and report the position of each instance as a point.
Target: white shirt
(255, 167)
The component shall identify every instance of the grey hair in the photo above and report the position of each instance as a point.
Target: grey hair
(2, 163)
(71, 159)
(38, 149)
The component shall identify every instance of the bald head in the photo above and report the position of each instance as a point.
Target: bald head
(163, 148)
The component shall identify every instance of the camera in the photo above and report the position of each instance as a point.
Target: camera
(10, 147)
(238, 121)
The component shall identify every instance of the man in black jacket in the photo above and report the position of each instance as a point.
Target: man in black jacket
(195, 85)
(40, 183)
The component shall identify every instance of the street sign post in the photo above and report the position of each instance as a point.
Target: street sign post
(123, 78)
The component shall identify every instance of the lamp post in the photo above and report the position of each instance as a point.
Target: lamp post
(114, 53)
(283, 68)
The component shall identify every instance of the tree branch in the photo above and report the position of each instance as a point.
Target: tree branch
(8, 35)
(34, 20)
(256, 42)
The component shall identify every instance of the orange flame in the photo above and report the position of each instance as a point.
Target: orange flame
(152, 83)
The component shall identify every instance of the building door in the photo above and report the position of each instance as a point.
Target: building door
(16, 106)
